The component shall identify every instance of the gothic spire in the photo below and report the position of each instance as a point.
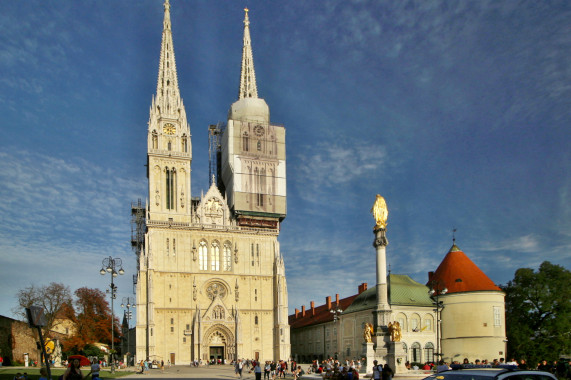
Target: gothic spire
(248, 87)
(168, 101)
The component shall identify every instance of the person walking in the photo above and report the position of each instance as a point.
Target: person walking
(377, 370)
(258, 371)
(387, 373)
(267, 369)
(95, 368)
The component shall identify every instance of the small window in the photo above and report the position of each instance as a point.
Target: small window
(497, 316)
(184, 340)
(188, 327)
(172, 321)
(256, 320)
(172, 329)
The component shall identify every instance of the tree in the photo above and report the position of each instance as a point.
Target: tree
(93, 320)
(538, 313)
(51, 297)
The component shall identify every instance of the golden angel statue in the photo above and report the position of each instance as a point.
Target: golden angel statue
(380, 212)
(368, 333)
(395, 331)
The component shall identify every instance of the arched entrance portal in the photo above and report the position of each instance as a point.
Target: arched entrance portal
(219, 344)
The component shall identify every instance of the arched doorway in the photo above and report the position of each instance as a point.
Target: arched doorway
(218, 344)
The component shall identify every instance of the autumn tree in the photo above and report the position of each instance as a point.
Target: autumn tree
(92, 320)
(52, 298)
(538, 313)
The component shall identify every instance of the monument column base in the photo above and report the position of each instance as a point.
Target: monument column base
(369, 355)
(397, 358)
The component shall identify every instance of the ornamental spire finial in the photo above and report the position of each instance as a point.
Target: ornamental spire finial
(168, 94)
(248, 88)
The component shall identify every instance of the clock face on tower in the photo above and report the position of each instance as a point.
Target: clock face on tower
(169, 129)
(259, 130)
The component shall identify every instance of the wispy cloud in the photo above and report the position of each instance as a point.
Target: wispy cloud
(327, 165)
(526, 243)
(58, 213)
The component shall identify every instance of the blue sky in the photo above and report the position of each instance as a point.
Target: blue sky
(458, 113)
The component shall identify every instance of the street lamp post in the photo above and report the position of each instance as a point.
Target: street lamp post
(336, 311)
(108, 265)
(129, 303)
(435, 292)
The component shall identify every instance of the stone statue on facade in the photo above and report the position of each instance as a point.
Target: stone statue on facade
(395, 331)
(380, 212)
(368, 333)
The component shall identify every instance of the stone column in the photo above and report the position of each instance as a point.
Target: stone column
(383, 308)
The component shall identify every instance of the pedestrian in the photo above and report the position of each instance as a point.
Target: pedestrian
(267, 369)
(377, 370)
(240, 367)
(258, 371)
(162, 365)
(74, 371)
(43, 373)
(95, 368)
(387, 373)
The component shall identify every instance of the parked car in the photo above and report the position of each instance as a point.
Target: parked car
(491, 374)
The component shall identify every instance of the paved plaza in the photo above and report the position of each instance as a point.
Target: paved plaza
(227, 372)
(185, 371)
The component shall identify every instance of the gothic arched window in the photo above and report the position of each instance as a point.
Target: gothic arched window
(227, 258)
(184, 144)
(203, 255)
(260, 186)
(155, 140)
(170, 188)
(215, 256)
(245, 142)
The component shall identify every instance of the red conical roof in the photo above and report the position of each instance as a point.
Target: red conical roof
(459, 274)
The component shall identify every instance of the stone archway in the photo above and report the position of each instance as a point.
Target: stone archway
(218, 343)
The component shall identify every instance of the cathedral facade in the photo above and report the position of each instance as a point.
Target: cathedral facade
(211, 279)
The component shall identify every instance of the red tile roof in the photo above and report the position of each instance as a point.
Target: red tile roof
(459, 274)
(320, 314)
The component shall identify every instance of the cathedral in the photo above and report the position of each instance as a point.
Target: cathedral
(211, 279)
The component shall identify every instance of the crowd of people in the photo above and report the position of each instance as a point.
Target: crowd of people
(337, 370)
(270, 369)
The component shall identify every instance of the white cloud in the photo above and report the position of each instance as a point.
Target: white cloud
(328, 165)
(59, 219)
(525, 244)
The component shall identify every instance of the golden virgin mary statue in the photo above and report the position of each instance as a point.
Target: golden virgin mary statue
(380, 212)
